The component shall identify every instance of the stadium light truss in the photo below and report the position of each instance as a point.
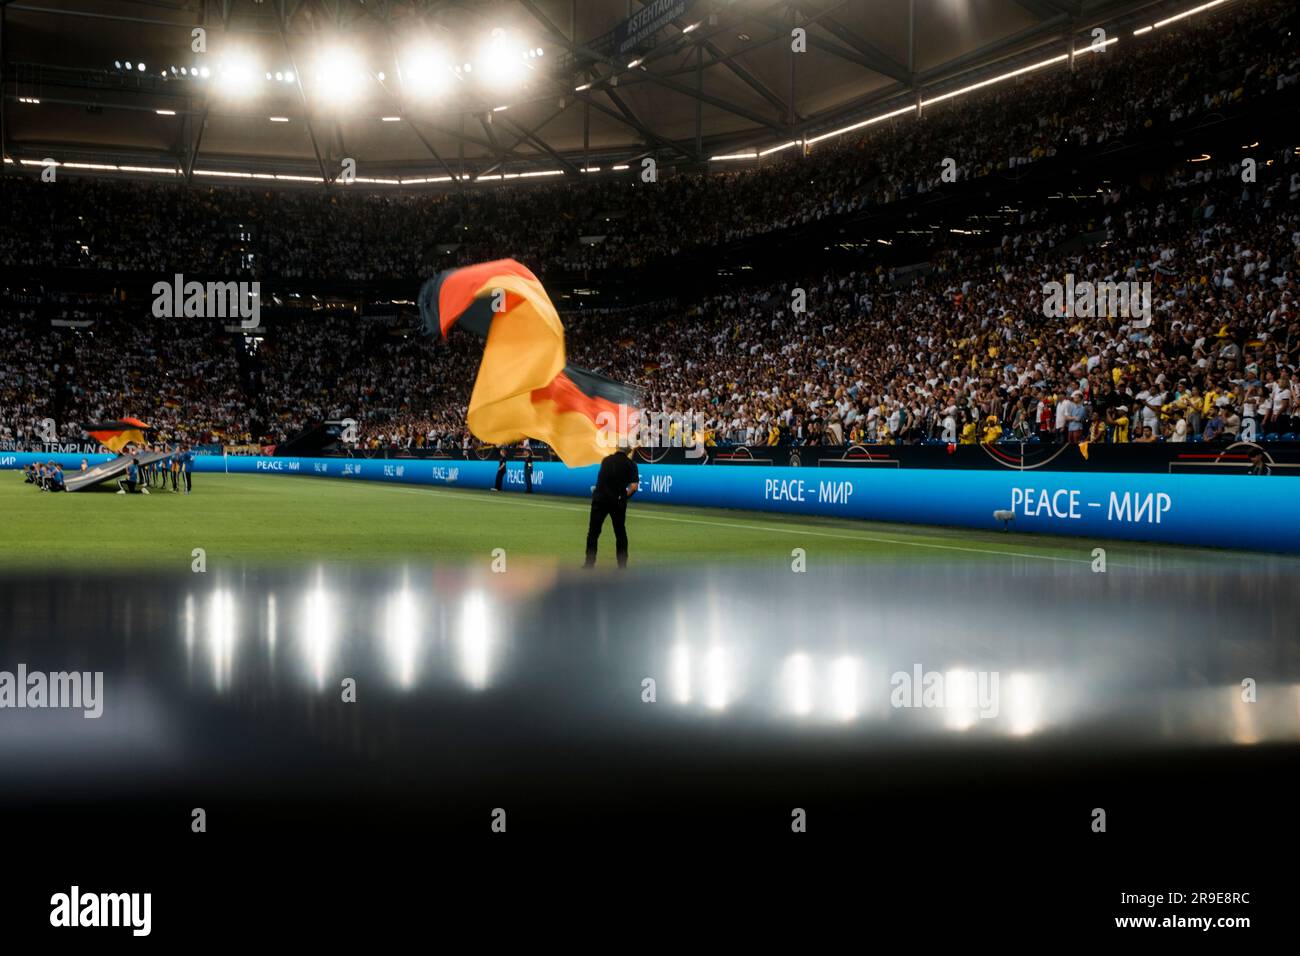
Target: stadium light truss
(502, 62)
(339, 74)
(426, 71)
(237, 74)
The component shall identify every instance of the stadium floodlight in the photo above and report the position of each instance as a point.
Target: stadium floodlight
(868, 122)
(783, 146)
(165, 112)
(237, 73)
(128, 64)
(340, 76)
(502, 63)
(185, 71)
(140, 67)
(391, 119)
(204, 73)
(278, 119)
(117, 64)
(425, 70)
(279, 76)
(288, 77)
(1179, 16)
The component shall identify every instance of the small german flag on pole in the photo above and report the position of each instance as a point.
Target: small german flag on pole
(525, 388)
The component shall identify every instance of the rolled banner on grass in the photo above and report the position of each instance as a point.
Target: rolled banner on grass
(525, 388)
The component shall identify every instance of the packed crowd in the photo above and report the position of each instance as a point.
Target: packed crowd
(1140, 86)
(959, 352)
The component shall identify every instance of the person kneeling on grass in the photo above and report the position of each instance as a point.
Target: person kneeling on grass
(132, 479)
(56, 479)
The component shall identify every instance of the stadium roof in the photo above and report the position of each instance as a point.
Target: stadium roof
(442, 88)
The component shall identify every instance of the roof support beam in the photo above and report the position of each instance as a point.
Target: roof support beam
(532, 137)
(558, 36)
(878, 63)
(302, 94)
(194, 152)
(753, 82)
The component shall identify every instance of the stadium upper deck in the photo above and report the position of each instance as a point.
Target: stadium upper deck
(878, 355)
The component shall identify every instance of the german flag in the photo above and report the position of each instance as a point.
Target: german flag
(525, 388)
(117, 435)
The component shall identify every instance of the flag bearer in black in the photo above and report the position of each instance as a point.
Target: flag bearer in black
(501, 468)
(528, 471)
(616, 482)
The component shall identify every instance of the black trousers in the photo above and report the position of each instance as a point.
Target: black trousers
(501, 476)
(617, 514)
(188, 482)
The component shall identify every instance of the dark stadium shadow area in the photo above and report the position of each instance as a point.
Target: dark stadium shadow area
(966, 837)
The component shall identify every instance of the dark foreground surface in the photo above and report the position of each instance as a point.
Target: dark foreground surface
(522, 700)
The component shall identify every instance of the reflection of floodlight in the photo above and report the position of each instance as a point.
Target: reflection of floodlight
(425, 71)
(237, 73)
(501, 61)
(339, 74)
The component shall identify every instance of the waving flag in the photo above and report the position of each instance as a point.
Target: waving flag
(117, 435)
(525, 388)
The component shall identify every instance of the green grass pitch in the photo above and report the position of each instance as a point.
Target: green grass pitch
(263, 519)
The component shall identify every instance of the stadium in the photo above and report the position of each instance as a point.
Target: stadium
(657, 429)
